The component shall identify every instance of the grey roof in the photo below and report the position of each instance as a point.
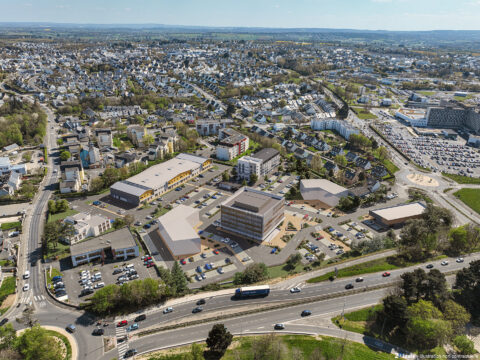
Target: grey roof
(252, 200)
(266, 154)
(118, 239)
(129, 187)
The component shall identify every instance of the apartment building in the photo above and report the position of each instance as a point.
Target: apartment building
(262, 163)
(211, 127)
(87, 225)
(252, 214)
(340, 126)
(231, 144)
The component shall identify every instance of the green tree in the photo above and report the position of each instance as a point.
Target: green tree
(225, 176)
(129, 219)
(110, 176)
(253, 179)
(179, 279)
(8, 336)
(467, 283)
(104, 300)
(252, 274)
(36, 344)
(118, 223)
(96, 184)
(464, 345)
(230, 110)
(382, 153)
(65, 155)
(293, 260)
(395, 310)
(456, 314)
(341, 160)
(244, 182)
(218, 340)
(148, 140)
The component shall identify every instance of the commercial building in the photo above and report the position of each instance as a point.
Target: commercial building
(340, 126)
(120, 244)
(158, 179)
(396, 215)
(415, 117)
(262, 163)
(453, 118)
(177, 231)
(252, 214)
(323, 191)
(231, 144)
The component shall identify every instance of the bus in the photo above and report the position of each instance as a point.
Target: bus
(252, 291)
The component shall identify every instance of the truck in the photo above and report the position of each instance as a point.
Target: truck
(252, 291)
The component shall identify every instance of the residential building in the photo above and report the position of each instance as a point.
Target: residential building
(210, 127)
(270, 160)
(340, 126)
(248, 165)
(177, 229)
(136, 133)
(252, 214)
(104, 138)
(87, 225)
(72, 176)
(160, 178)
(231, 144)
(323, 191)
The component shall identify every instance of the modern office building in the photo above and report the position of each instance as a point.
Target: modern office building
(158, 179)
(87, 225)
(397, 215)
(323, 191)
(177, 231)
(252, 214)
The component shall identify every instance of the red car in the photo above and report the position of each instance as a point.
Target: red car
(216, 252)
(280, 181)
(149, 265)
(183, 261)
(187, 197)
(305, 217)
(147, 259)
(320, 237)
(385, 274)
(122, 323)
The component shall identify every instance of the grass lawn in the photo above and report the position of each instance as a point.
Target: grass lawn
(62, 215)
(292, 346)
(356, 321)
(427, 93)
(55, 272)
(363, 268)
(471, 197)
(462, 179)
(160, 212)
(68, 355)
(7, 288)
(11, 225)
(390, 166)
(60, 251)
(279, 270)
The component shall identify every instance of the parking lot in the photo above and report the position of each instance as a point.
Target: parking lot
(72, 277)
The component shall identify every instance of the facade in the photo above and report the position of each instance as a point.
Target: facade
(414, 117)
(104, 138)
(322, 190)
(136, 133)
(87, 225)
(231, 144)
(340, 126)
(397, 215)
(177, 231)
(252, 214)
(72, 176)
(5, 165)
(158, 179)
(270, 160)
(453, 118)
(248, 165)
(121, 244)
(210, 127)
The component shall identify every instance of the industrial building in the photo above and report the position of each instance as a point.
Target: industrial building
(397, 215)
(323, 191)
(177, 231)
(158, 179)
(252, 214)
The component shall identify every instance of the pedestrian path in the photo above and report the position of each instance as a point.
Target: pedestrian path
(122, 345)
(40, 300)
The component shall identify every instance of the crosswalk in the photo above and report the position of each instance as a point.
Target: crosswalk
(40, 300)
(122, 347)
(288, 286)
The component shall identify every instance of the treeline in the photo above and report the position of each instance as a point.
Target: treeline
(23, 123)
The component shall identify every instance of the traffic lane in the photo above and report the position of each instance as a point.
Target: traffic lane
(254, 322)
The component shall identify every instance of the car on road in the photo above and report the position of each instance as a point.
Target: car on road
(98, 332)
(429, 266)
(359, 279)
(26, 275)
(444, 263)
(197, 309)
(306, 313)
(97, 203)
(216, 252)
(26, 287)
(201, 302)
(3, 322)
(183, 262)
(459, 260)
(132, 327)
(130, 353)
(220, 270)
(140, 317)
(203, 255)
(386, 274)
(295, 290)
(71, 328)
(122, 323)
(279, 326)
(168, 310)
(349, 286)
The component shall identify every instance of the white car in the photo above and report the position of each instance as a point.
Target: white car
(444, 263)
(26, 275)
(459, 260)
(168, 310)
(295, 290)
(26, 287)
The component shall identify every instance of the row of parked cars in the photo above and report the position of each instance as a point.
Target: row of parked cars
(58, 286)
(90, 282)
(128, 273)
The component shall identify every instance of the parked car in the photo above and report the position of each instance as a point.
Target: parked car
(98, 332)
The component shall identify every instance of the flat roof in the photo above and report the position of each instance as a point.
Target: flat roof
(322, 184)
(252, 200)
(266, 154)
(176, 228)
(400, 211)
(118, 239)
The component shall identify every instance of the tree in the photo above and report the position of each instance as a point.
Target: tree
(179, 280)
(118, 223)
(36, 344)
(253, 179)
(230, 110)
(65, 155)
(457, 315)
(341, 160)
(382, 153)
(252, 274)
(244, 182)
(96, 184)
(282, 103)
(218, 340)
(467, 282)
(234, 172)
(395, 310)
(110, 176)
(8, 336)
(464, 345)
(148, 140)
(317, 162)
(129, 219)
(293, 260)
(225, 176)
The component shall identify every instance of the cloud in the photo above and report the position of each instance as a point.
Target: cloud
(381, 1)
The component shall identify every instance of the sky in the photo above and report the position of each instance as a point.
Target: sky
(345, 14)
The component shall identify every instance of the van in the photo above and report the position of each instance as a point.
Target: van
(98, 275)
(130, 266)
(26, 275)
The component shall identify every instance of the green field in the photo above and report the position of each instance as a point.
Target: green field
(356, 321)
(363, 268)
(7, 288)
(471, 197)
(390, 166)
(462, 179)
(291, 347)
(365, 115)
(62, 215)
(11, 225)
(427, 93)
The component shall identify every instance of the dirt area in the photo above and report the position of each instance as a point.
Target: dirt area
(422, 180)
(10, 219)
(8, 301)
(297, 222)
(108, 343)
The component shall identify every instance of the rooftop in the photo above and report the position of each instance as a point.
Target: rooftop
(252, 200)
(314, 184)
(400, 211)
(266, 154)
(118, 239)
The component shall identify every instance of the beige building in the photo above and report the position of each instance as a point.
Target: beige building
(396, 215)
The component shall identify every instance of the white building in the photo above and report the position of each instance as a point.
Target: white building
(248, 165)
(415, 117)
(87, 225)
(322, 190)
(340, 126)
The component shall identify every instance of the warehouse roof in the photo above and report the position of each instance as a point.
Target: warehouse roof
(400, 211)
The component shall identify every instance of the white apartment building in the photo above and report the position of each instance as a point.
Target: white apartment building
(340, 126)
(87, 225)
(248, 165)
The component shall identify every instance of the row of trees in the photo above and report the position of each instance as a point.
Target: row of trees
(58, 206)
(252, 274)
(35, 343)
(55, 232)
(175, 281)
